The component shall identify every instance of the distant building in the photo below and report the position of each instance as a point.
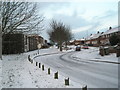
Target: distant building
(101, 38)
(35, 42)
(13, 43)
(77, 42)
(104, 38)
(93, 39)
(19, 43)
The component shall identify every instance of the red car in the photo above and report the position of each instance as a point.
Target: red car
(85, 47)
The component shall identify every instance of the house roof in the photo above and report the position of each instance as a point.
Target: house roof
(93, 36)
(82, 39)
(111, 31)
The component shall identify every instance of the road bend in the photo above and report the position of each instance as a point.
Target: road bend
(85, 72)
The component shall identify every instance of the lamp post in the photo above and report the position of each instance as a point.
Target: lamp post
(39, 46)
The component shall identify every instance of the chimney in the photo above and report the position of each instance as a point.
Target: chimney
(110, 28)
(102, 32)
(98, 32)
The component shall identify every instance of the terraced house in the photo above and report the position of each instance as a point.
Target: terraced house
(93, 39)
(102, 38)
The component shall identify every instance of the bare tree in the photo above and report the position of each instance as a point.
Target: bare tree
(19, 17)
(59, 33)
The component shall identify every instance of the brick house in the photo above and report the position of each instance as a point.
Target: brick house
(35, 42)
(104, 38)
(93, 39)
(77, 42)
(19, 43)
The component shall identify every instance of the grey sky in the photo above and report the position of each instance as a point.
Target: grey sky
(82, 16)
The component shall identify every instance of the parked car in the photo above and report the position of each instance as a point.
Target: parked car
(85, 47)
(78, 48)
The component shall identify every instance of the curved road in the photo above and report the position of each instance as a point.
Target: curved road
(90, 73)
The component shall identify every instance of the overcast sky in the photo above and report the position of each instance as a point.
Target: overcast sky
(84, 18)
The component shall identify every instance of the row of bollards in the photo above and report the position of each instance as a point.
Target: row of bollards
(40, 65)
(55, 74)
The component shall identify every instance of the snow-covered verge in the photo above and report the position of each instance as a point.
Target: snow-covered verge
(18, 72)
(93, 54)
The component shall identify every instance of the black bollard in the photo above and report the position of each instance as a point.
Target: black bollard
(36, 63)
(56, 75)
(48, 70)
(39, 65)
(43, 67)
(84, 88)
(67, 81)
(29, 57)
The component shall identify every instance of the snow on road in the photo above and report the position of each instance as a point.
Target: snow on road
(93, 74)
(93, 54)
(18, 72)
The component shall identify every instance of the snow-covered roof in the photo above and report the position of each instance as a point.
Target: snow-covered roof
(71, 41)
(82, 39)
(93, 36)
(113, 30)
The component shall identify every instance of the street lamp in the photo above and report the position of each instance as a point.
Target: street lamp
(39, 46)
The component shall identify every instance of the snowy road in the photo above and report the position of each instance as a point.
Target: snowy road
(92, 74)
